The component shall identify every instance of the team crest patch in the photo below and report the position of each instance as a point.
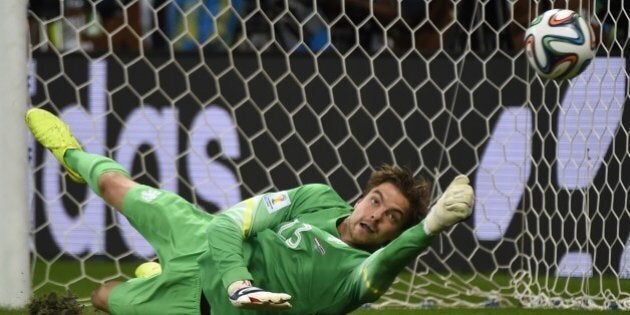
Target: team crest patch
(149, 195)
(276, 201)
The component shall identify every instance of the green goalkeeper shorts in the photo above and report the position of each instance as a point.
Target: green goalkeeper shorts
(176, 230)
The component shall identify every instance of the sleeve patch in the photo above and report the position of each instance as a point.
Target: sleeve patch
(276, 201)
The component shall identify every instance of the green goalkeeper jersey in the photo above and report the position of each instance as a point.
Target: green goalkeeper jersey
(288, 242)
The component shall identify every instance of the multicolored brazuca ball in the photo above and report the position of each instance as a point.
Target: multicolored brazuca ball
(559, 44)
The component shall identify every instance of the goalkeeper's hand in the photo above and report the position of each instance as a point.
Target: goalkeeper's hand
(243, 295)
(453, 206)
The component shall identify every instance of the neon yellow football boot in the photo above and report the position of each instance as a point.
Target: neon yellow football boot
(54, 135)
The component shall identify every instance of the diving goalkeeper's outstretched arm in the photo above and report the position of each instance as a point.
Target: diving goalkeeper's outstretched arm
(376, 274)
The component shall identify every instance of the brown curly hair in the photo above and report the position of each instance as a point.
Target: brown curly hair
(416, 190)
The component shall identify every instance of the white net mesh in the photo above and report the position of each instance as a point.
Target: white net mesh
(220, 100)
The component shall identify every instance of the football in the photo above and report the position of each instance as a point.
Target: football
(559, 44)
(148, 269)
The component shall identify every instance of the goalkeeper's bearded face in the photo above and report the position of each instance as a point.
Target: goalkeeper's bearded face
(378, 217)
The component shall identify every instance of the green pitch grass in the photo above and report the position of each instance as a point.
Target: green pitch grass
(82, 278)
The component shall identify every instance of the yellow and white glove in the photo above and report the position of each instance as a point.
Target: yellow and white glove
(453, 206)
(243, 295)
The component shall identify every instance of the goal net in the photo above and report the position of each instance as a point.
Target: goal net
(221, 100)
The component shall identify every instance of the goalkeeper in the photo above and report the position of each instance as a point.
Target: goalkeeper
(304, 250)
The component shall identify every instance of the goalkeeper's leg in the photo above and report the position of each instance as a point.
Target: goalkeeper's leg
(173, 226)
(104, 176)
(107, 178)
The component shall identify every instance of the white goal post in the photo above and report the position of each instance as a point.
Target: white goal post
(15, 288)
(220, 100)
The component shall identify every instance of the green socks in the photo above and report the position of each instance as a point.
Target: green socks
(92, 166)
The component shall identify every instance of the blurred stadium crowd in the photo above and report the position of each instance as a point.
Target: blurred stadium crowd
(300, 25)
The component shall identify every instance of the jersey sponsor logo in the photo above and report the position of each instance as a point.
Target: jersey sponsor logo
(276, 201)
(149, 195)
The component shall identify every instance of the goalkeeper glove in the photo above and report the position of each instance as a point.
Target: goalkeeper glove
(453, 206)
(243, 295)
